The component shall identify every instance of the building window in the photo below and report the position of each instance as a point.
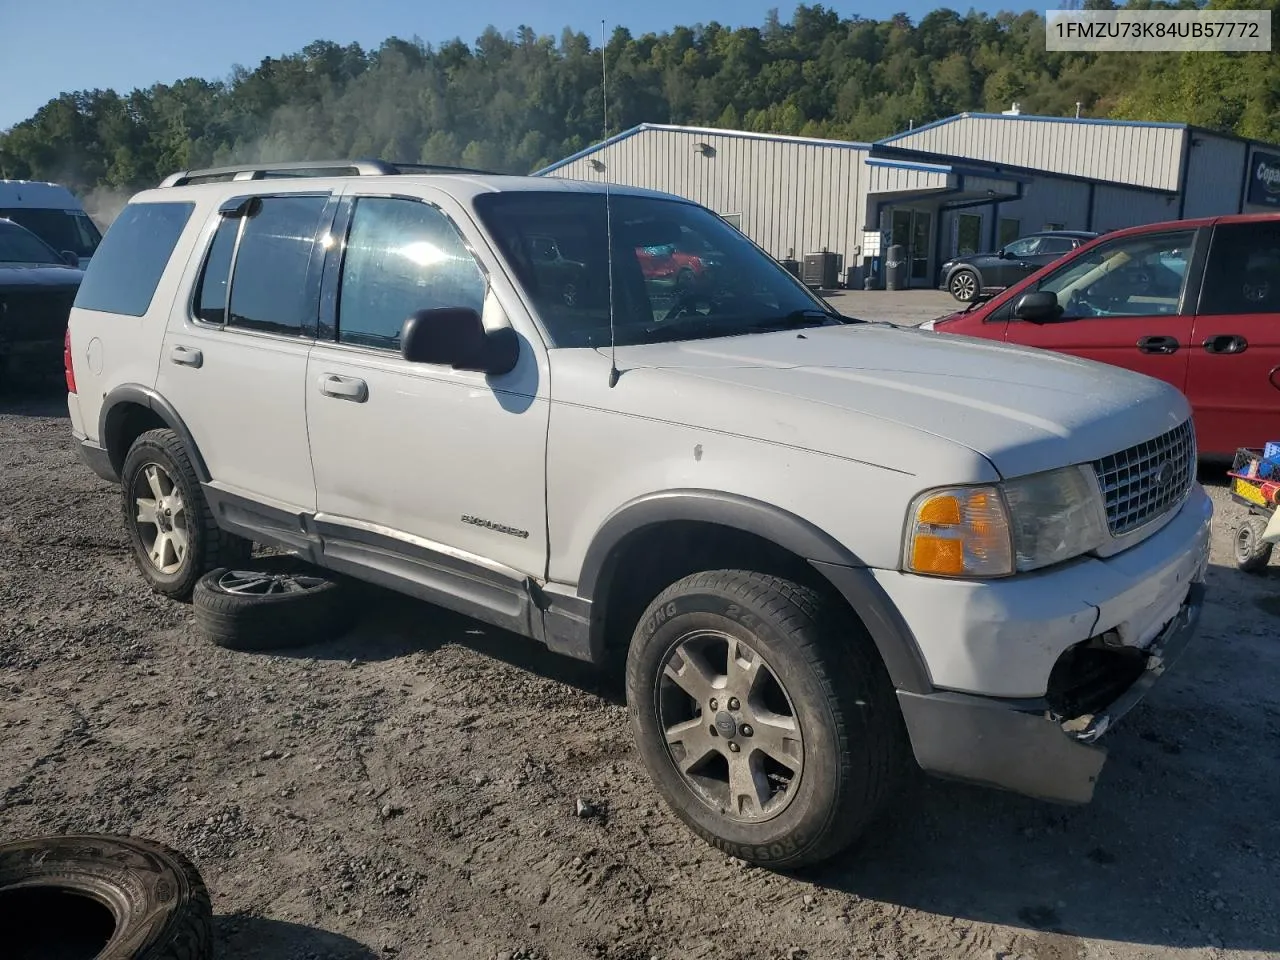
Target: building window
(1055, 226)
(733, 219)
(968, 234)
(1010, 230)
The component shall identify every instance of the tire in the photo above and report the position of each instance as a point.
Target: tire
(160, 454)
(1252, 555)
(834, 689)
(111, 898)
(964, 285)
(270, 604)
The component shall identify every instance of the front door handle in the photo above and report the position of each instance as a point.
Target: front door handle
(1226, 343)
(344, 388)
(1158, 345)
(187, 356)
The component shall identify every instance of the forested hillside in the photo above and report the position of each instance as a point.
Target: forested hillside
(516, 101)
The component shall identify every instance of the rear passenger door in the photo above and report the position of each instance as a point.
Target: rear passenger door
(1234, 376)
(235, 356)
(435, 475)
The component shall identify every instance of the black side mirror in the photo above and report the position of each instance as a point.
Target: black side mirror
(1038, 307)
(456, 336)
(71, 258)
(1003, 254)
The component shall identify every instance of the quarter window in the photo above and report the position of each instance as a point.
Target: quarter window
(1243, 273)
(404, 256)
(128, 264)
(1139, 276)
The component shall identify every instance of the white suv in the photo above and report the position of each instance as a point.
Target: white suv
(821, 545)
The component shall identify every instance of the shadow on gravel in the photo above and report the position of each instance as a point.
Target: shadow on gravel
(392, 625)
(1106, 872)
(249, 938)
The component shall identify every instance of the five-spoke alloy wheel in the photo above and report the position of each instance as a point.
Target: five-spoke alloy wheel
(764, 715)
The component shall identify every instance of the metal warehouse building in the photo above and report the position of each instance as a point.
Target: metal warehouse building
(965, 184)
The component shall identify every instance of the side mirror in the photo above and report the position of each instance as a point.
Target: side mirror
(71, 258)
(455, 336)
(1003, 254)
(1038, 307)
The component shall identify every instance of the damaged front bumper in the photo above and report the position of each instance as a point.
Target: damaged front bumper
(1028, 746)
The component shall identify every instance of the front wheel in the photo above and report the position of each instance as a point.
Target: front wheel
(763, 715)
(963, 286)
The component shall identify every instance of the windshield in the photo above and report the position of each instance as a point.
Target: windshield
(679, 271)
(61, 229)
(20, 246)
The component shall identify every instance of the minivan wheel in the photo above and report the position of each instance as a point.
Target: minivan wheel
(964, 285)
(172, 533)
(763, 715)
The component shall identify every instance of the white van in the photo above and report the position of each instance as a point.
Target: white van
(51, 212)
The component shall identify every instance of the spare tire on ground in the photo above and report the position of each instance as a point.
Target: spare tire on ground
(271, 603)
(97, 897)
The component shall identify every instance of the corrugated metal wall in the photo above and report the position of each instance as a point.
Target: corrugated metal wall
(1139, 155)
(1050, 200)
(1115, 207)
(1214, 171)
(794, 198)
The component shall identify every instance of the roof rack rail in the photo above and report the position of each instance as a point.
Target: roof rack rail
(307, 168)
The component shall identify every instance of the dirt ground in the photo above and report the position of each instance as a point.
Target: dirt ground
(409, 791)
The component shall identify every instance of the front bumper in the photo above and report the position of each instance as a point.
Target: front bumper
(1022, 746)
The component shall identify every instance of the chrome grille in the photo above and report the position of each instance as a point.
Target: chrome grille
(1146, 481)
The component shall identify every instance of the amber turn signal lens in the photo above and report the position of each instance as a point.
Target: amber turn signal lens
(960, 532)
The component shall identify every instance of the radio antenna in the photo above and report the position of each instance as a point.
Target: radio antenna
(608, 209)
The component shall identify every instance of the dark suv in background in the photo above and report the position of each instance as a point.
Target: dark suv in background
(37, 288)
(969, 277)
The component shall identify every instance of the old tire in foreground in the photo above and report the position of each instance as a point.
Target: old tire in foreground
(112, 898)
(764, 716)
(172, 533)
(270, 604)
(1252, 555)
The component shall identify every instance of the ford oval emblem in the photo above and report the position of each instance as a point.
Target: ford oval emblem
(1164, 474)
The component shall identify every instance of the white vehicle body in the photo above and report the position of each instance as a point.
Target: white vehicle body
(513, 496)
(53, 213)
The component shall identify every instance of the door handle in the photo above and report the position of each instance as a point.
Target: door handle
(1158, 345)
(1226, 343)
(187, 356)
(344, 388)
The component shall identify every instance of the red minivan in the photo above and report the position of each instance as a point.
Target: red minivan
(1193, 302)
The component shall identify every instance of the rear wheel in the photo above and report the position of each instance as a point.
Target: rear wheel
(963, 285)
(1252, 555)
(173, 535)
(763, 715)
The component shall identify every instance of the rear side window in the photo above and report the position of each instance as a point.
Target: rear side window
(273, 286)
(127, 266)
(1243, 275)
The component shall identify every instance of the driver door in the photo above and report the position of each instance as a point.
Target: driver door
(1125, 303)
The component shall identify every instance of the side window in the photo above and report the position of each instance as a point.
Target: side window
(404, 256)
(1139, 276)
(211, 289)
(270, 289)
(1243, 272)
(1024, 248)
(128, 264)
(1053, 246)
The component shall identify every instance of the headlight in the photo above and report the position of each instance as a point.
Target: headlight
(999, 529)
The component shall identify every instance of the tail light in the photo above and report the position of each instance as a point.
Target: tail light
(67, 365)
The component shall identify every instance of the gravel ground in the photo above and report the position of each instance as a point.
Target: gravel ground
(410, 790)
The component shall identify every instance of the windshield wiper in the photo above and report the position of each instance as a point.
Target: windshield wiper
(803, 317)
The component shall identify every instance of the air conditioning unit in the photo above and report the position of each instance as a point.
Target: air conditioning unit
(821, 271)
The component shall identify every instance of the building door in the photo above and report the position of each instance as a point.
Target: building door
(914, 230)
(968, 240)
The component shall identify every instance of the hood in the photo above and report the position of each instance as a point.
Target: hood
(38, 275)
(852, 390)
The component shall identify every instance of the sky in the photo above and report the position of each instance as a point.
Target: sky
(53, 47)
